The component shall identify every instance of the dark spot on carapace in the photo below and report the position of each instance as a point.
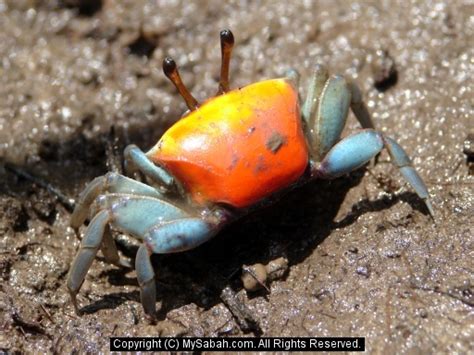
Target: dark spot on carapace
(275, 142)
(251, 130)
(260, 165)
(233, 163)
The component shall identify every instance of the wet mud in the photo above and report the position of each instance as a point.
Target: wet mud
(364, 257)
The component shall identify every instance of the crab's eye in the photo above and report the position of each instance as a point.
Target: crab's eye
(171, 71)
(227, 43)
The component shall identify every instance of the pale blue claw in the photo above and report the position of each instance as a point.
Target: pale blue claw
(135, 159)
(137, 214)
(351, 153)
(163, 238)
(179, 235)
(325, 111)
(356, 150)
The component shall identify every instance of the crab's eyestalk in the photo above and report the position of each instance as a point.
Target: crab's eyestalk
(171, 71)
(227, 43)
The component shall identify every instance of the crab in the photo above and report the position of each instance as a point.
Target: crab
(230, 155)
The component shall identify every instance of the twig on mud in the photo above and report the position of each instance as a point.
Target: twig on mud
(241, 313)
(67, 202)
(453, 293)
(112, 152)
(29, 327)
(43, 308)
(450, 293)
(327, 314)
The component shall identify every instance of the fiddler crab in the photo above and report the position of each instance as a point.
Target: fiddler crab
(234, 153)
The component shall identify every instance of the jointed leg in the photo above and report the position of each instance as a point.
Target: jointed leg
(88, 250)
(146, 280)
(109, 250)
(403, 162)
(172, 230)
(357, 149)
(178, 235)
(109, 183)
(359, 108)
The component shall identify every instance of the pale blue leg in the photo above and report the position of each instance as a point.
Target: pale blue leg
(137, 214)
(132, 214)
(109, 250)
(146, 280)
(136, 160)
(359, 108)
(164, 228)
(109, 183)
(356, 150)
(403, 162)
(87, 252)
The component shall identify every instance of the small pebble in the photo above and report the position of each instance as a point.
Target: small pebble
(254, 277)
(384, 71)
(363, 271)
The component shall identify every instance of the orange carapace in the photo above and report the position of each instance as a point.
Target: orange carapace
(239, 147)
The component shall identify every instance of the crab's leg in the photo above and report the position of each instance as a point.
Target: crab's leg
(146, 280)
(109, 250)
(109, 183)
(179, 235)
(173, 231)
(137, 214)
(136, 160)
(87, 252)
(357, 149)
(171, 237)
(132, 214)
(174, 236)
(359, 108)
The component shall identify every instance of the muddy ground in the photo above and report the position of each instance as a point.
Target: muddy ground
(365, 258)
